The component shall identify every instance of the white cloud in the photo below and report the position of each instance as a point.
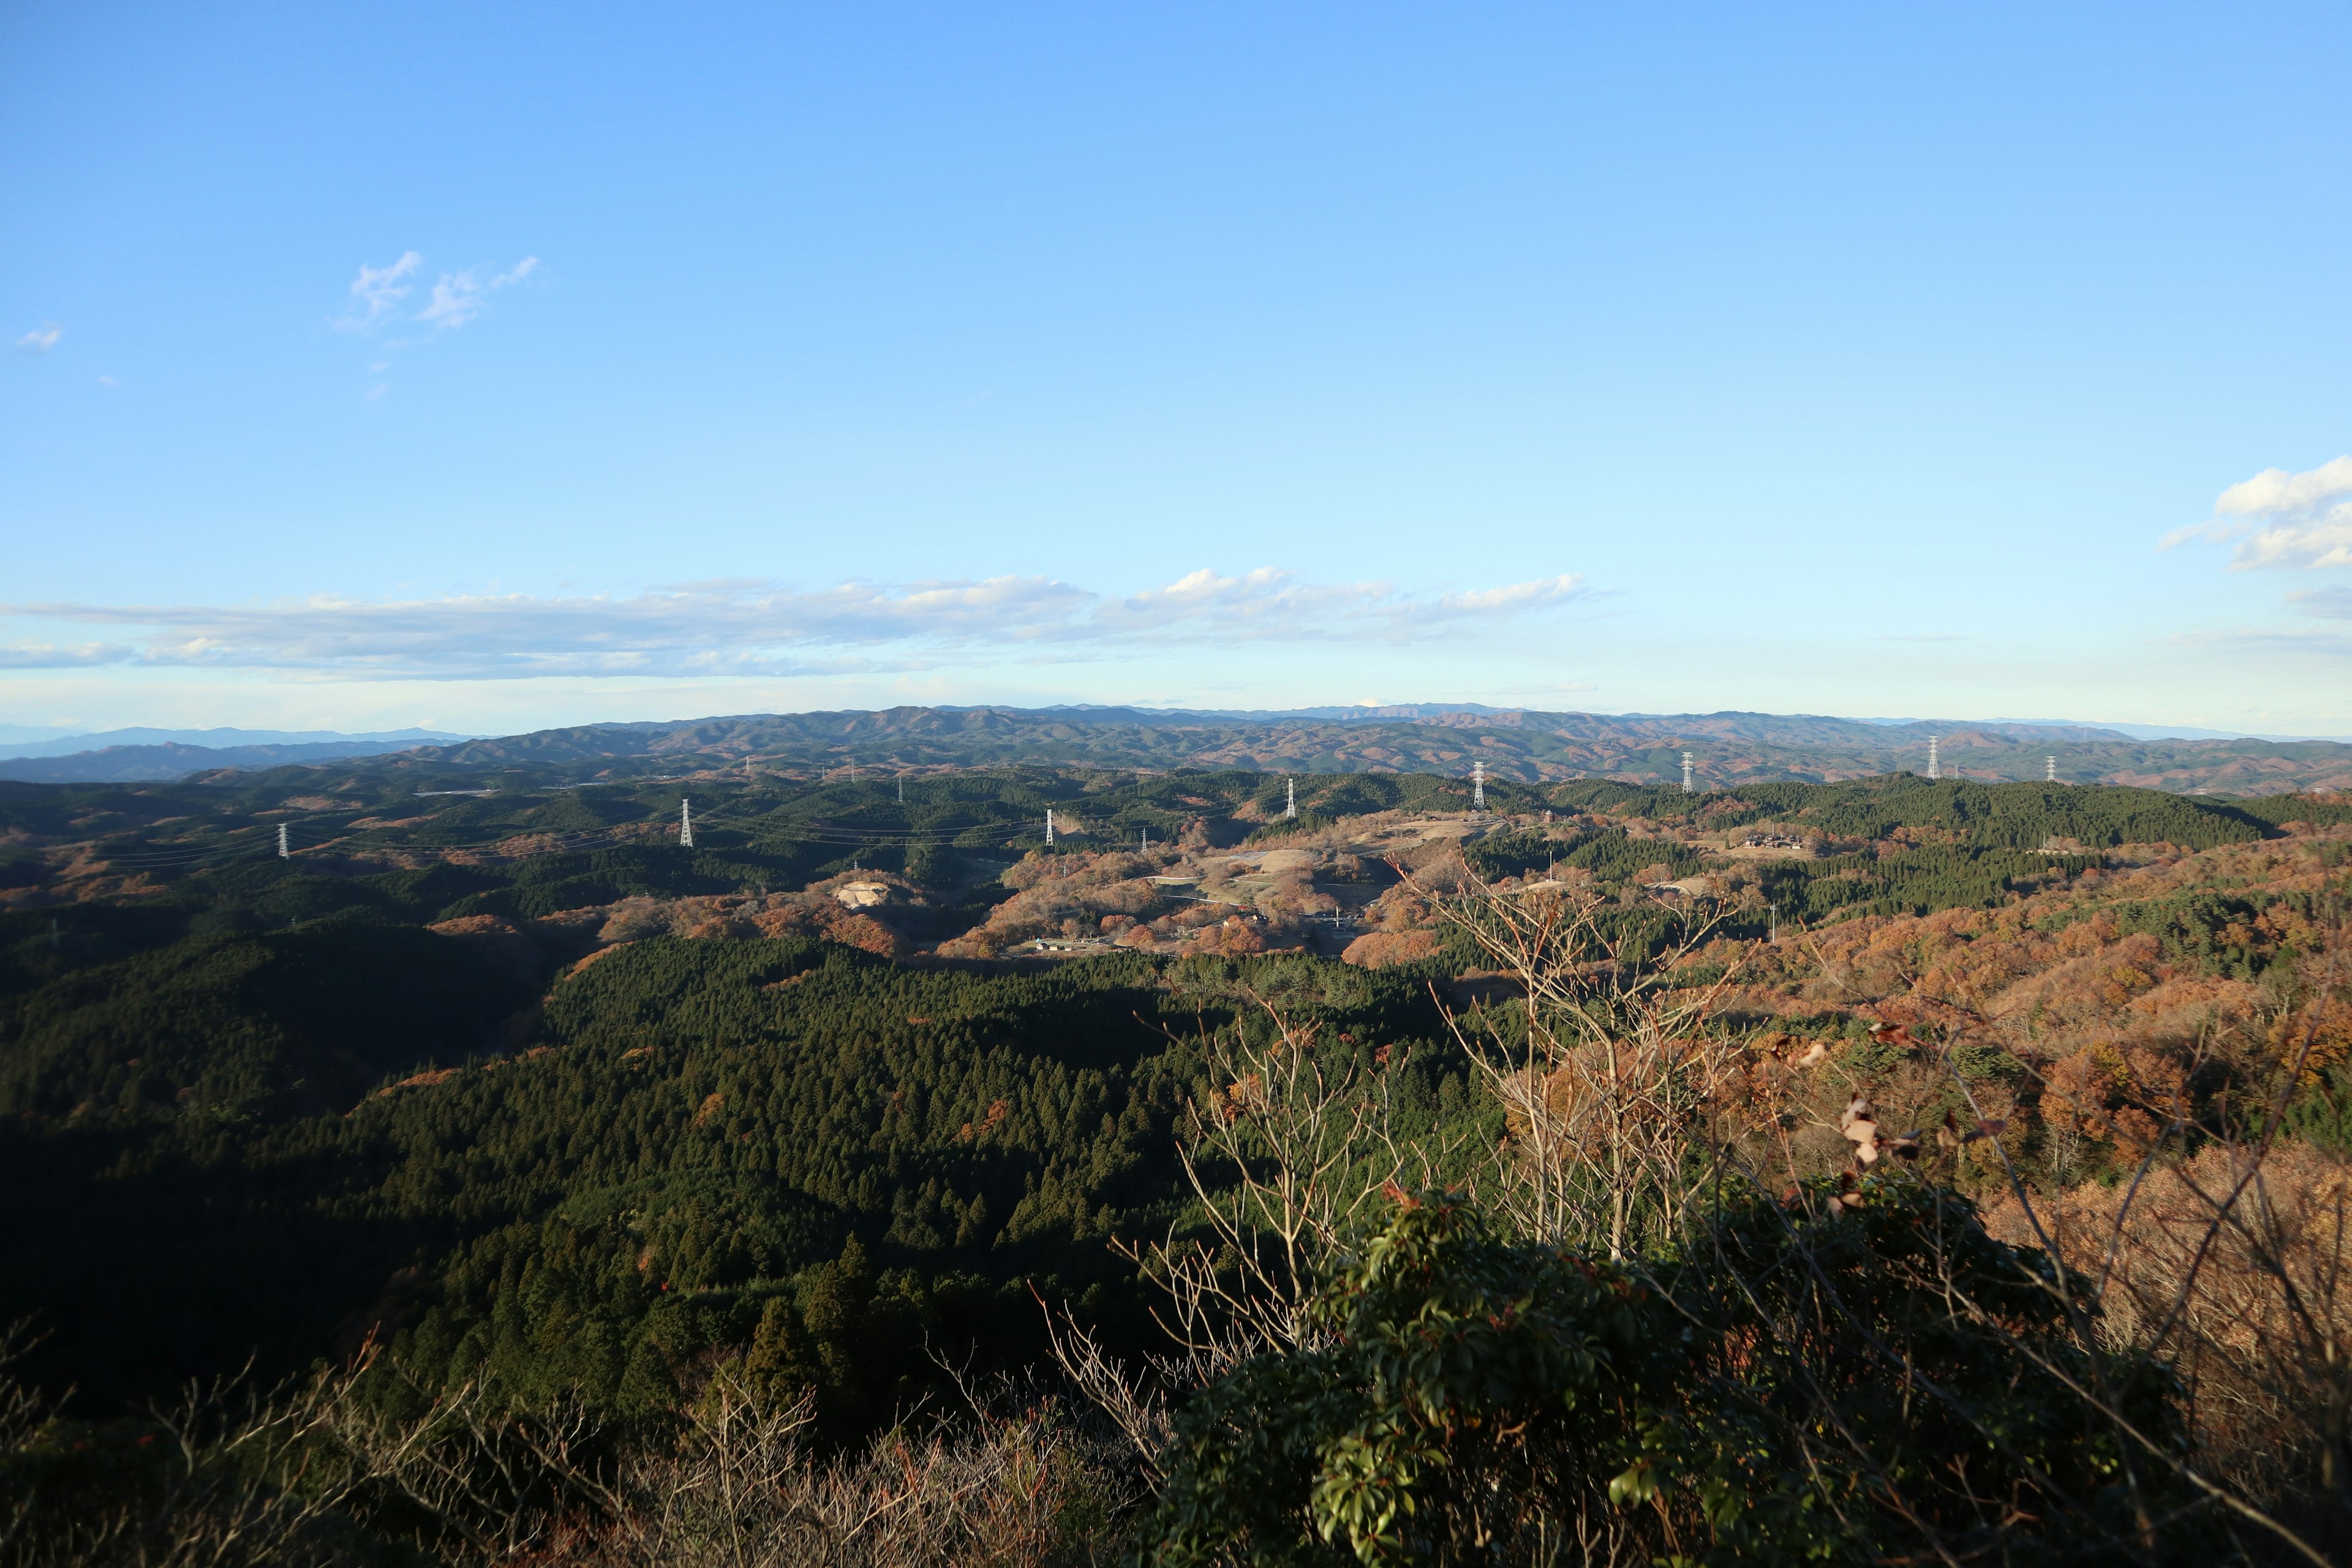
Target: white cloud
(2281, 519)
(1270, 603)
(377, 291)
(1529, 595)
(39, 341)
(459, 297)
(757, 627)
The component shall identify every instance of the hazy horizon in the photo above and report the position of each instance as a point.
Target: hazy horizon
(18, 740)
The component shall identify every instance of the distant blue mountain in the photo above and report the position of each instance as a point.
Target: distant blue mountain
(16, 741)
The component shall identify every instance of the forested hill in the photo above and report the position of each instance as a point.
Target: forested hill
(1728, 749)
(530, 1091)
(441, 842)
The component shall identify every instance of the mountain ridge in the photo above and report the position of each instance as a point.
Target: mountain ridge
(1728, 748)
(222, 738)
(174, 760)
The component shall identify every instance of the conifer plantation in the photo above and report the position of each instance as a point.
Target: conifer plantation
(1261, 1169)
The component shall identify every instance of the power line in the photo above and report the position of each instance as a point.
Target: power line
(522, 842)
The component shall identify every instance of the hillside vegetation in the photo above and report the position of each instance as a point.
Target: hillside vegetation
(1730, 749)
(512, 1098)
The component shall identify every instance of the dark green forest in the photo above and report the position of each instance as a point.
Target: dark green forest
(697, 1129)
(256, 1110)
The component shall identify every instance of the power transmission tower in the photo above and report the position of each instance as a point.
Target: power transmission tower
(1049, 824)
(1146, 847)
(1291, 810)
(1935, 767)
(685, 824)
(285, 850)
(1687, 787)
(1478, 786)
(902, 789)
(2050, 769)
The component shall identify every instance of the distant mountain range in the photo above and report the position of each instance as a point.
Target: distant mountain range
(1727, 748)
(130, 756)
(1357, 714)
(27, 741)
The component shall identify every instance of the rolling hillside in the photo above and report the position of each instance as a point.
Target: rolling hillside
(1728, 749)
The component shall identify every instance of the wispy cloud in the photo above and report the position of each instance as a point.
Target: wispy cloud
(2330, 603)
(459, 297)
(377, 292)
(50, 656)
(39, 341)
(757, 627)
(380, 295)
(2281, 519)
(1270, 603)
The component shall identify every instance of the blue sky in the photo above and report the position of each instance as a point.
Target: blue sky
(487, 367)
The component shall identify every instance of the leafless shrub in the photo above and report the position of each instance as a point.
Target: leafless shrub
(319, 1476)
(1283, 1151)
(1026, 1489)
(1617, 1079)
(225, 1476)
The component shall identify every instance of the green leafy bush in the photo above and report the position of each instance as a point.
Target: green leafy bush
(1842, 1377)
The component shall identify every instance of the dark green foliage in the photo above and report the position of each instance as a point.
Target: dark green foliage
(708, 1126)
(1472, 1390)
(1878, 1383)
(1284, 827)
(2321, 1112)
(1968, 844)
(1982, 816)
(2277, 809)
(1909, 882)
(291, 1022)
